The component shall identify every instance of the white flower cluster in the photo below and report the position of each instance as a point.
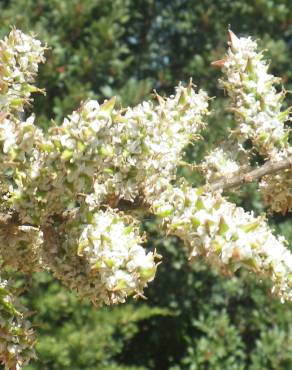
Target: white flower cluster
(104, 153)
(226, 235)
(224, 162)
(17, 339)
(20, 55)
(17, 138)
(100, 256)
(17, 151)
(256, 103)
(258, 108)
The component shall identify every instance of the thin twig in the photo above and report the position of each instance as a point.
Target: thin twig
(243, 178)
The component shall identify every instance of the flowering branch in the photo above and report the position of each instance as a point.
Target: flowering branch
(72, 199)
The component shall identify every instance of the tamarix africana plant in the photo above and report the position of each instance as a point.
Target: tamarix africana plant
(73, 198)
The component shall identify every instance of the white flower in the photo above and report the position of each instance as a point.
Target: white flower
(255, 100)
(226, 236)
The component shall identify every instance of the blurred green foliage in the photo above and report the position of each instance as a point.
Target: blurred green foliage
(76, 336)
(193, 319)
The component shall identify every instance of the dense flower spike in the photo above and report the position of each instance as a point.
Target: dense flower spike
(226, 235)
(17, 150)
(17, 339)
(100, 256)
(20, 55)
(255, 101)
(105, 153)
